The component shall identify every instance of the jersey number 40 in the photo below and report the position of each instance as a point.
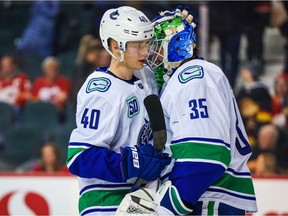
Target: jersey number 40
(90, 119)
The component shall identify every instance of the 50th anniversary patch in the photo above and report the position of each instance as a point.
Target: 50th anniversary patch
(133, 106)
(101, 84)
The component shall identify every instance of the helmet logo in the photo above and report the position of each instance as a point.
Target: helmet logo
(143, 19)
(114, 15)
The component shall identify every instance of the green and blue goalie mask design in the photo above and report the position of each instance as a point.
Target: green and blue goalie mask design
(172, 43)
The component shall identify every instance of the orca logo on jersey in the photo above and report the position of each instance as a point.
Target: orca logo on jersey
(145, 134)
(135, 157)
(191, 72)
(100, 84)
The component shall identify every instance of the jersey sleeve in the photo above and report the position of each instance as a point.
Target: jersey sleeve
(89, 151)
(200, 142)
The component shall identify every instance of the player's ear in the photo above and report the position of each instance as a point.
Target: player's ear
(114, 47)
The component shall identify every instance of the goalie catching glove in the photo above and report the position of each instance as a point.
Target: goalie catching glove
(143, 162)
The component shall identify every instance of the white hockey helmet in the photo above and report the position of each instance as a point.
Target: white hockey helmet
(124, 24)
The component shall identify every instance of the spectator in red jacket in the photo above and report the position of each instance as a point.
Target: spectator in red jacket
(52, 86)
(15, 86)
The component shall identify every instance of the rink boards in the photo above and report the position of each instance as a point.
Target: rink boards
(34, 194)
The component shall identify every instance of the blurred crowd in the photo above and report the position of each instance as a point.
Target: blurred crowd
(53, 28)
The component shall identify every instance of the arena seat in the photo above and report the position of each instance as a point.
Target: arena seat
(23, 143)
(41, 114)
(6, 116)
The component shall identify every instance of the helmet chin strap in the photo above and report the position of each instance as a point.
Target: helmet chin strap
(117, 59)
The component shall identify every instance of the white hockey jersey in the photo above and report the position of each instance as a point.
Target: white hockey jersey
(110, 114)
(207, 137)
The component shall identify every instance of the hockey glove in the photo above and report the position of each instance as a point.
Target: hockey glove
(143, 162)
(188, 15)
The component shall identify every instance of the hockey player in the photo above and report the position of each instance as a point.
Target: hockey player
(111, 147)
(205, 131)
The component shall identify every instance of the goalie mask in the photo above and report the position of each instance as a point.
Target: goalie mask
(173, 42)
(124, 24)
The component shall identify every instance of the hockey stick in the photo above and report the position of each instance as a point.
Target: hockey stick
(155, 112)
(157, 121)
